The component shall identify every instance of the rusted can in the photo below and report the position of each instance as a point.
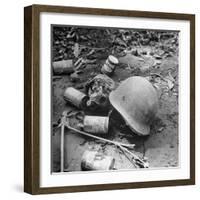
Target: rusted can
(96, 124)
(93, 160)
(75, 97)
(109, 66)
(63, 67)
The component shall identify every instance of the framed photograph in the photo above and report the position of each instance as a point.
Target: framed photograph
(109, 99)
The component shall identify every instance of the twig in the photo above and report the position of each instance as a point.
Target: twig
(136, 158)
(130, 159)
(62, 148)
(100, 138)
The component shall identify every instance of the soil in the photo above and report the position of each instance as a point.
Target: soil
(161, 147)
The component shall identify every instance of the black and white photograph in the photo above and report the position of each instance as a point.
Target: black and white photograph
(114, 98)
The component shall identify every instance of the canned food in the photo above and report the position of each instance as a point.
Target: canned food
(63, 67)
(109, 67)
(75, 97)
(93, 160)
(96, 124)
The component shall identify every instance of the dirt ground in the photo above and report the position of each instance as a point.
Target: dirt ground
(161, 147)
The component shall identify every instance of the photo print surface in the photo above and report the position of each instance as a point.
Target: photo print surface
(114, 98)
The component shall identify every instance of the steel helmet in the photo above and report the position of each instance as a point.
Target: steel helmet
(137, 101)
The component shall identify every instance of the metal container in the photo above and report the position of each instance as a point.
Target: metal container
(93, 160)
(75, 97)
(63, 67)
(96, 124)
(109, 67)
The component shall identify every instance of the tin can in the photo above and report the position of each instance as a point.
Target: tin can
(63, 67)
(75, 97)
(96, 124)
(109, 67)
(93, 160)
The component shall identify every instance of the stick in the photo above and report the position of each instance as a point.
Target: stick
(130, 159)
(135, 157)
(62, 141)
(100, 138)
(62, 148)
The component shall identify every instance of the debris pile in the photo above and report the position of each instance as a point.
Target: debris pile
(98, 90)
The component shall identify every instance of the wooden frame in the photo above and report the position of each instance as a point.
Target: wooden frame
(32, 105)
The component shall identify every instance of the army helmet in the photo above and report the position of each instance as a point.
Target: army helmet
(137, 101)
